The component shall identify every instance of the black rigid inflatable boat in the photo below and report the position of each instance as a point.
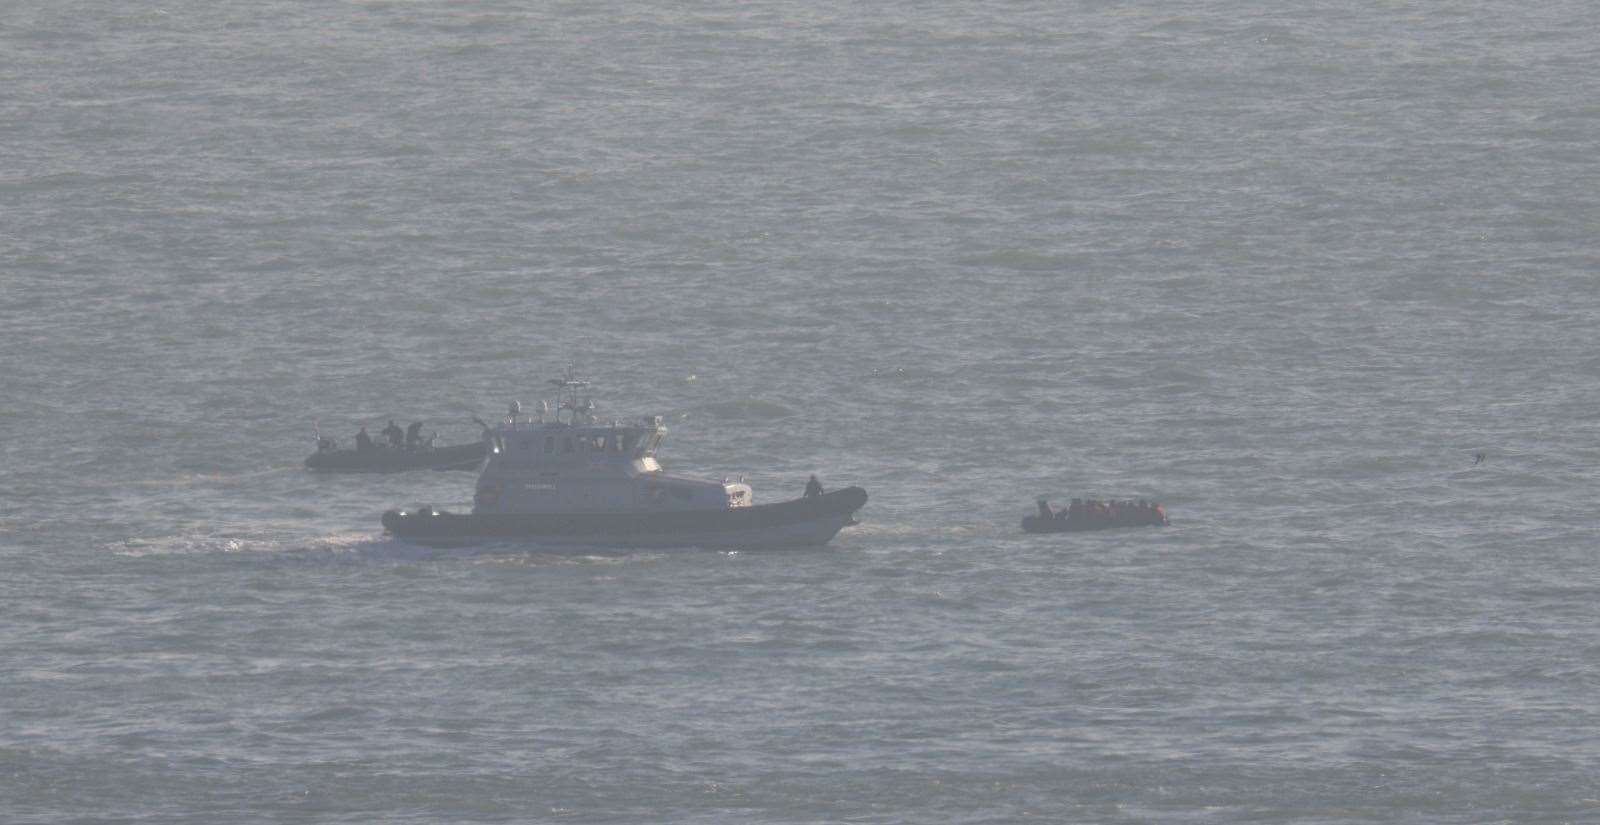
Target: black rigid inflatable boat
(396, 459)
(1038, 524)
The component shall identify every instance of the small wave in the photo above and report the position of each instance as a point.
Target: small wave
(196, 479)
(336, 713)
(348, 542)
(1024, 260)
(273, 264)
(524, 556)
(377, 547)
(191, 545)
(748, 409)
(228, 543)
(381, 548)
(62, 180)
(909, 532)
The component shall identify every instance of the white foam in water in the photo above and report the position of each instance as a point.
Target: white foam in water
(192, 544)
(360, 543)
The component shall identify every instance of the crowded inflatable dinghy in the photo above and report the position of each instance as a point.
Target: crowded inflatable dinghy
(1093, 514)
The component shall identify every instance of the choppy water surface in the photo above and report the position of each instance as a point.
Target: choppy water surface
(1284, 267)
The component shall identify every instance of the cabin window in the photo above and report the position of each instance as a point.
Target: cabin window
(629, 441)
(566, 444)
(549, 444)
(615, 442)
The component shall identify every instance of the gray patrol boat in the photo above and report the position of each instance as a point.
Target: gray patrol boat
(575, 480)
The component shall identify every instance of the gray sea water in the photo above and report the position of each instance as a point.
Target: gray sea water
(1286, 267)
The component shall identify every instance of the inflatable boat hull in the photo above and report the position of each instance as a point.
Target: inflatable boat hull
(798, 523)
(1036, 524)
(391, 460)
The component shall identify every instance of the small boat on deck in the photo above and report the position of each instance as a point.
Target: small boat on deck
(576, 480)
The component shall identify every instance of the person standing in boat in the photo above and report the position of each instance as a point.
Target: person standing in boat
(395, 435)
(1044, 509)
(363, 441)
(414, 435)
(813, 487)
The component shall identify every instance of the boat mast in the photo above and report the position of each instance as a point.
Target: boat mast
(567, 388)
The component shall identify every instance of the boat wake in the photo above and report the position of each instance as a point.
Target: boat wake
(196, 479)
(375, 547)
(230, 543)
(910, 532)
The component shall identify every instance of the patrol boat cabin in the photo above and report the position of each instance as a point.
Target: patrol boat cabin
(575, 463)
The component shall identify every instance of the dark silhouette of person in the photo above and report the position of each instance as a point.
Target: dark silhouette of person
(1044, 509)
(1478, 459)
(414, 435)
(395, 434)
(813, 487)
(363, 441)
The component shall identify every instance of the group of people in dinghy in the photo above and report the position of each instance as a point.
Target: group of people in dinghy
(1097, 513)
(408, 439)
